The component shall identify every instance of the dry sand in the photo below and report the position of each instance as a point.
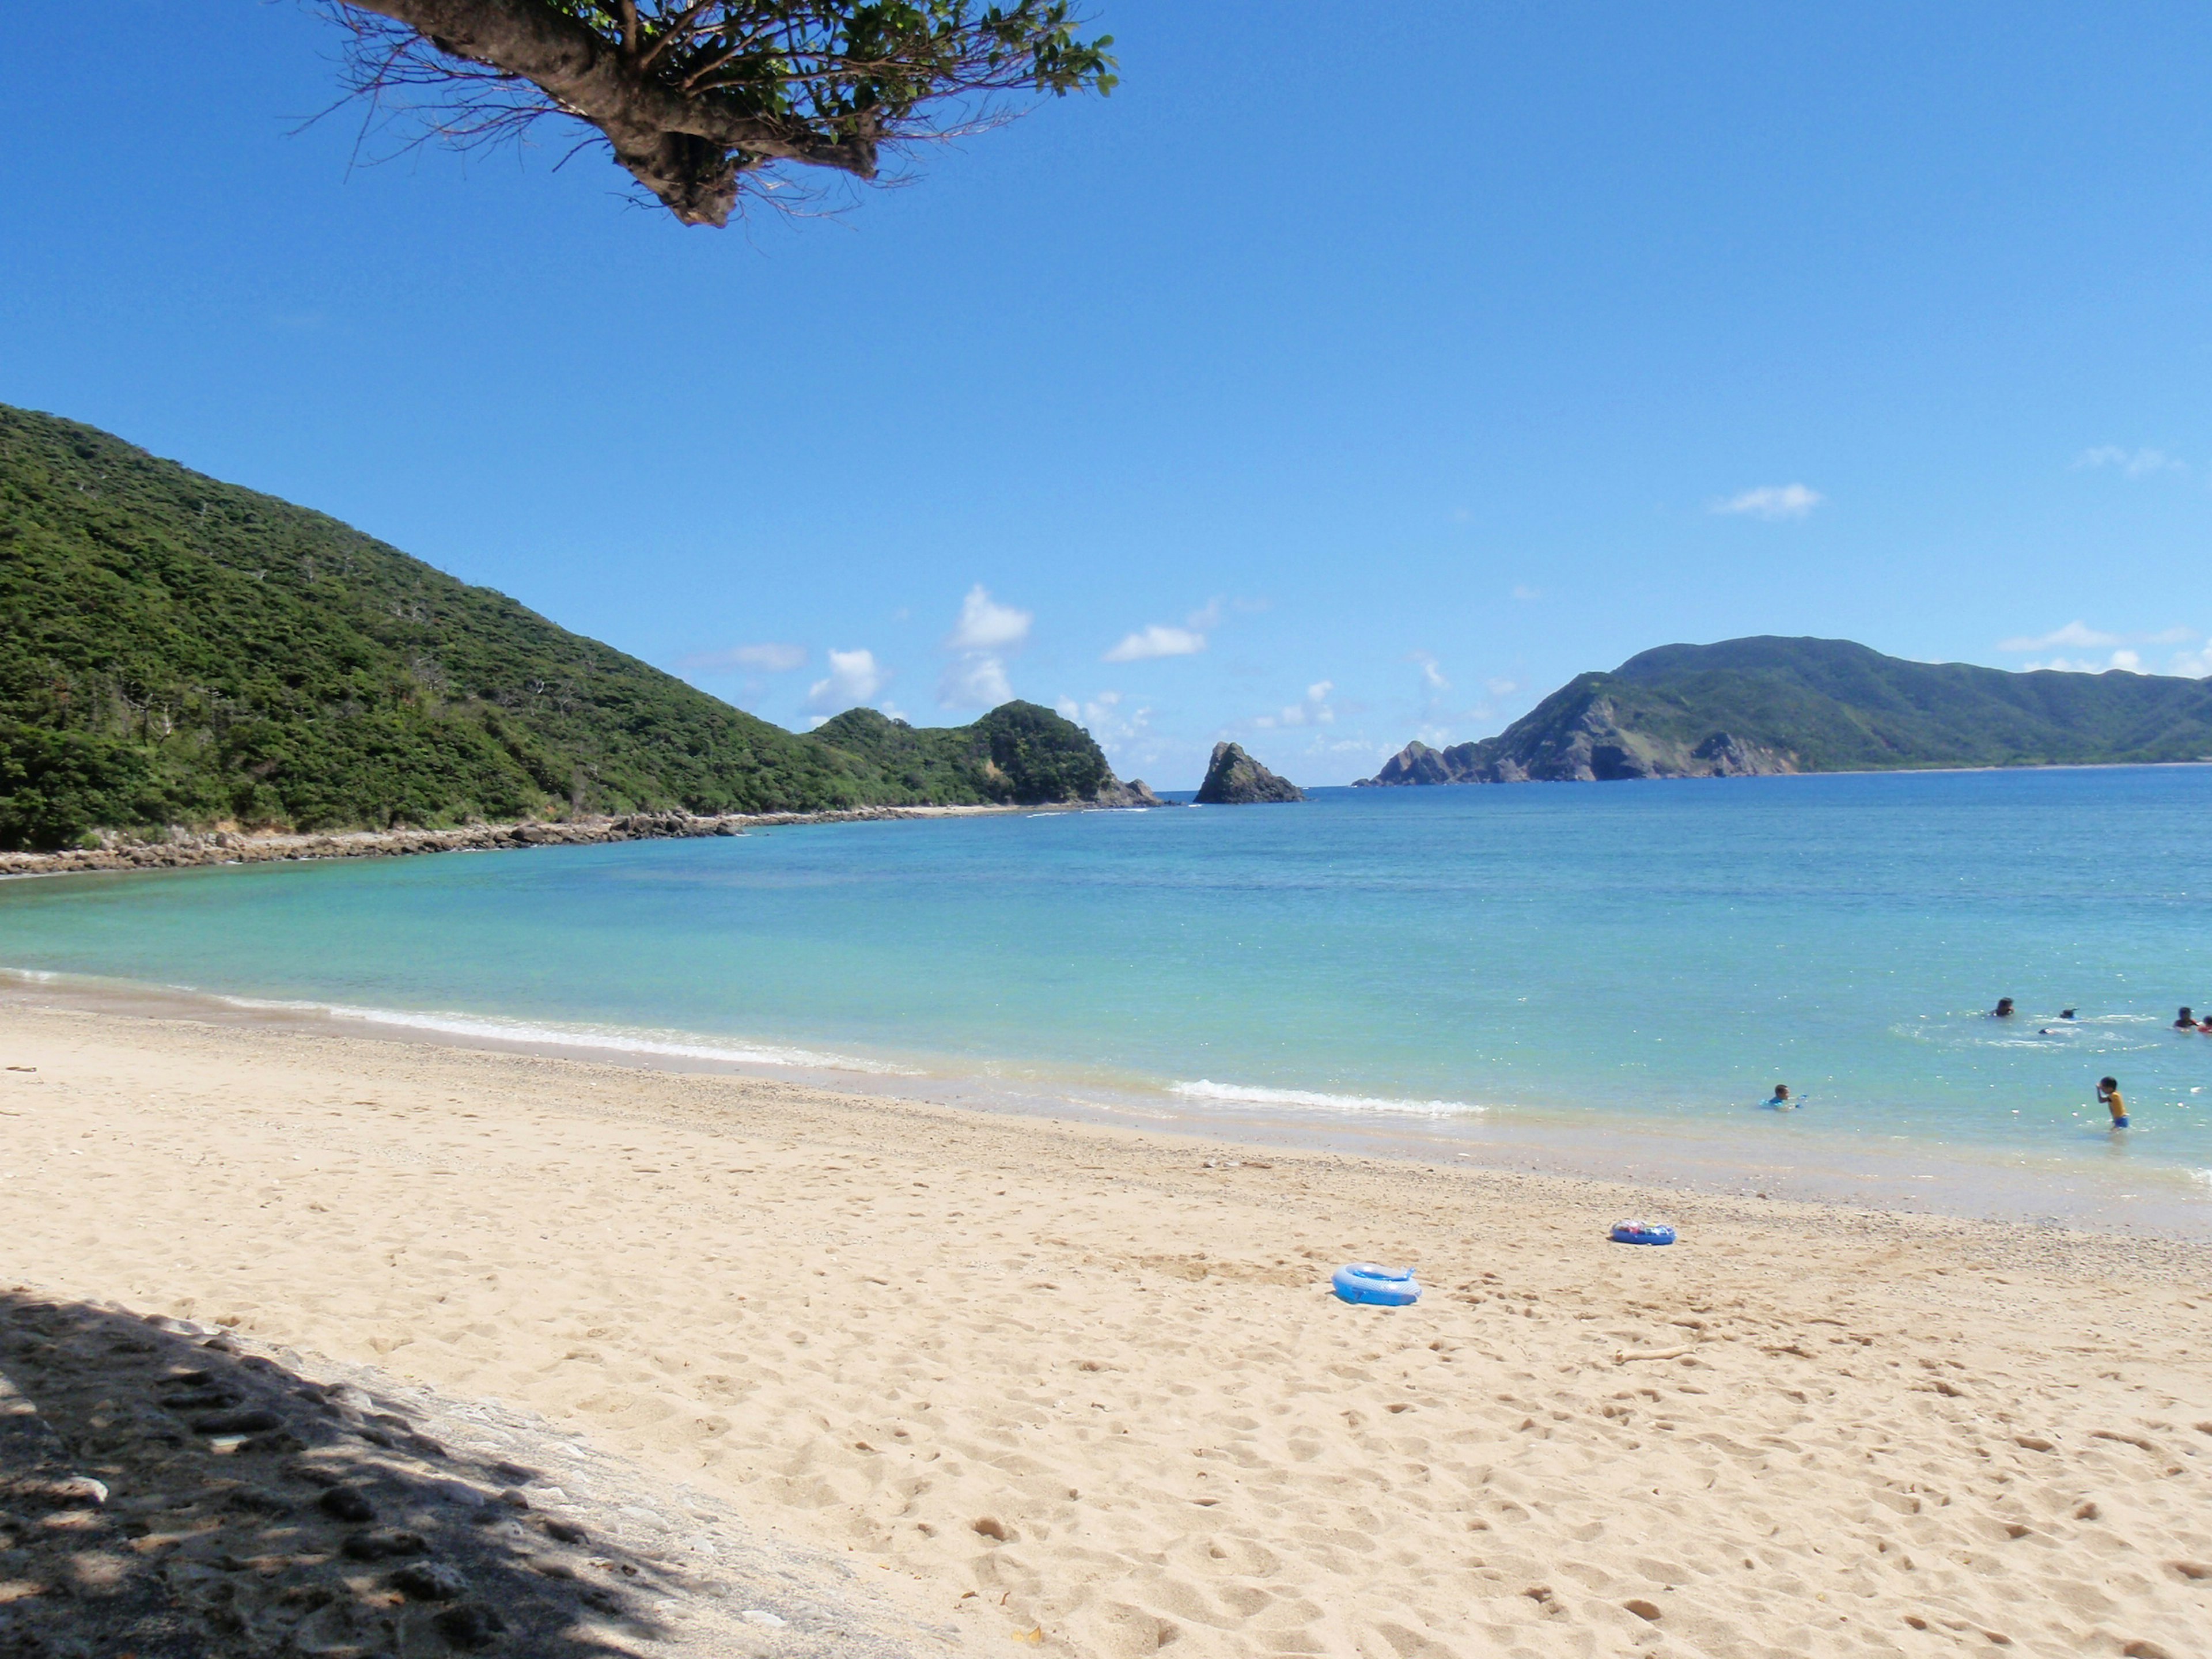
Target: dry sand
(1072, 1386)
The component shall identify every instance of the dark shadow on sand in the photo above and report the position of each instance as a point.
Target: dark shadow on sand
(163, 1496)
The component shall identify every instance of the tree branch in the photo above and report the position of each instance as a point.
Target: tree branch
(694, 95)
(678, 146)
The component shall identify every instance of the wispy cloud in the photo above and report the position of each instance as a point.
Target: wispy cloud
(854, 677)
(1157, 641)
(2127, 662)
(1522, 591)
(747, 659)
(2130, 463)
(987, 625)
(2075, 636)
(1789, 501)
(1314, 711)
(974, 679)
(1102, 716)
(1441, 719)
(2079, 637)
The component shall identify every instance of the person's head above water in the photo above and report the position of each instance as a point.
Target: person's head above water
(2186, 1017)
(1782, 1091)
(2004, 1010)
(2065, 1014)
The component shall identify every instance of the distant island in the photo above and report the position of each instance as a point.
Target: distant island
(180, 651)
(1770, 705)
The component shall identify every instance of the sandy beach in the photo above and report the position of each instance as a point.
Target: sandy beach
(1085, 1390)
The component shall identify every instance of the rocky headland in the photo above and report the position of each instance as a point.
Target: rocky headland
(1592, 746)
(1765, 705)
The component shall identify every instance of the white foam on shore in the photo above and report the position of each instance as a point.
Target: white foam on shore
(619, 1039)
(1251, 1095)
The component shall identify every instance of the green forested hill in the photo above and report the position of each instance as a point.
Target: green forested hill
(1017, 751)
(1768, 704)
(176, 650)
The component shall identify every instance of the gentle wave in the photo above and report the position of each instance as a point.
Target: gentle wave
(1244, 1095)
(671, 1044)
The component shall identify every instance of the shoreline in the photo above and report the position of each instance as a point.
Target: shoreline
(216, 846)
(1783, 1161)
(1086, 1388)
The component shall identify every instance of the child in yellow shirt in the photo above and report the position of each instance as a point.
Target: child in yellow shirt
(2108, 1092)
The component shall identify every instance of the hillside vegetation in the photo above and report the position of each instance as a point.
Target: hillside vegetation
(1768, 704)
(174, 650)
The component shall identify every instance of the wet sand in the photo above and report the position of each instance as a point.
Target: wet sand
(1084, 1388)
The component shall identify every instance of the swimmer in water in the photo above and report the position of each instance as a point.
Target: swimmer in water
(2004, 1010)
(1780, 1101)
(2108, 1094)
(2185, 1020)
(2065, 1014)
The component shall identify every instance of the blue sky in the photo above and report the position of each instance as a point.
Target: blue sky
(1352, 373)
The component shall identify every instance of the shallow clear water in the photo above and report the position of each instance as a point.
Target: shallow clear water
(1530, 963)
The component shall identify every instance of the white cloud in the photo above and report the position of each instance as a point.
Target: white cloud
(758, 658)
(987, 631)
(1522, 591)
(974, 679)
(1206, 616)
(2130, 463)
(1789, 501)
(854, 677)
(1157, 641)
(1432, 679)
(2196, 665)
(987, 625)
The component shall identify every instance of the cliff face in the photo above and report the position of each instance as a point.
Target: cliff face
(1233, 778)
(1756, 706)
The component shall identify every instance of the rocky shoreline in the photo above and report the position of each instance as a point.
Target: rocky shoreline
(183, 849)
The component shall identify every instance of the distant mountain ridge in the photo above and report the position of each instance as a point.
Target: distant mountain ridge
(178, 650)
(1768, 704)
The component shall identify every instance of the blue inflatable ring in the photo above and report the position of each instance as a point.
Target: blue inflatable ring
(1381, 1287)
(1641, 1233)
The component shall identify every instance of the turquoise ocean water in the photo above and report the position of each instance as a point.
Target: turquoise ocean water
(1598, 977)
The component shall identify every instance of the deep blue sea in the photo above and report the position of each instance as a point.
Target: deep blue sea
(1590, 977)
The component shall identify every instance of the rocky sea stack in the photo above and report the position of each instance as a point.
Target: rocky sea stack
(1233, 778)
